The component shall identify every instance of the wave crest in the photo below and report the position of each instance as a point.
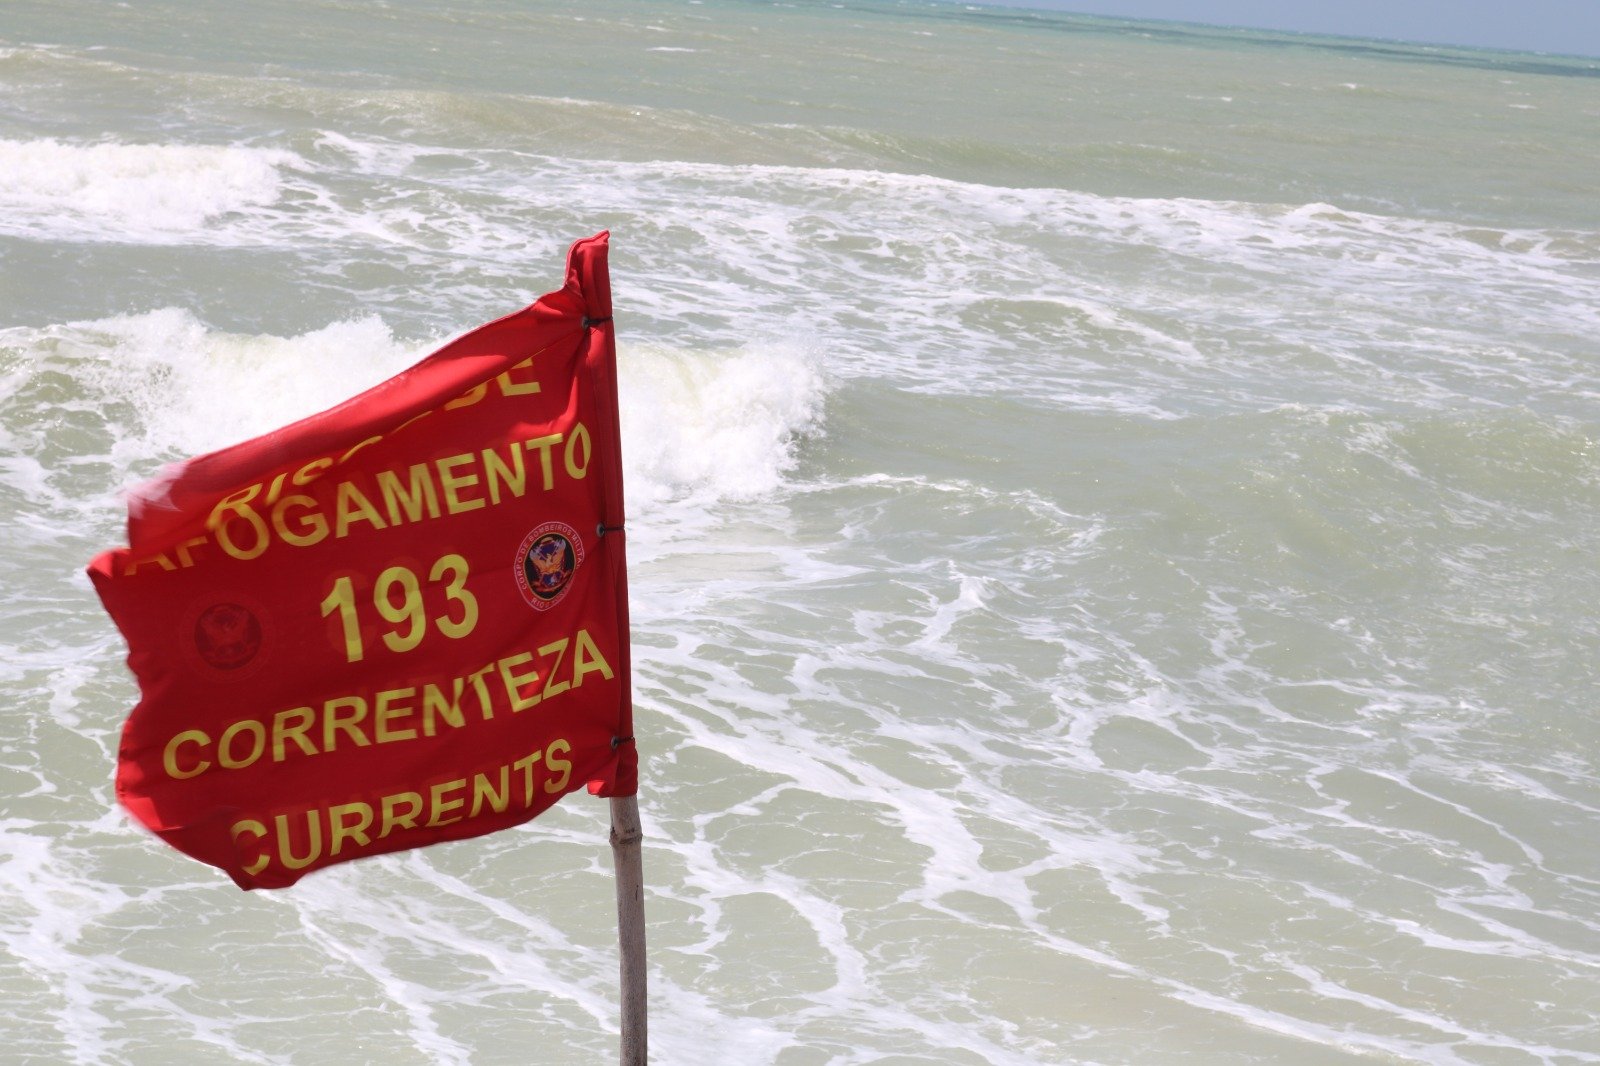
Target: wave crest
(142, 192)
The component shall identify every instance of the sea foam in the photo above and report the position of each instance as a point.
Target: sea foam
(141, 192)
(698, 425)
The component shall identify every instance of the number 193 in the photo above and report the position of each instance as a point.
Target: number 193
(397, 597)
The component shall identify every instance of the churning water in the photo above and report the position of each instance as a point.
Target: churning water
(1114, 520)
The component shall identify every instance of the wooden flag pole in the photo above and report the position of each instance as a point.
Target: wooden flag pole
(627, 837)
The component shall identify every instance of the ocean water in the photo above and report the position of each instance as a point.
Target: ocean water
(1115, 511)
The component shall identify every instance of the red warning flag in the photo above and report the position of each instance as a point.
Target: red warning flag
(401, 621)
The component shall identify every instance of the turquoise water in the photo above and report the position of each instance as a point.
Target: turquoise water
(1114, 510)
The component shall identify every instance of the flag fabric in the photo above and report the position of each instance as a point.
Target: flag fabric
(401, 621)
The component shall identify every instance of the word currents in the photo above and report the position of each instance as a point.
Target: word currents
(399, 622)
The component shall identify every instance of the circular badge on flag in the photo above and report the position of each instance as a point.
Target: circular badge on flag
(226, 637)
(546, 561)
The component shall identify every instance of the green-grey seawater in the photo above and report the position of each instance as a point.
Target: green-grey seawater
(1114, 514)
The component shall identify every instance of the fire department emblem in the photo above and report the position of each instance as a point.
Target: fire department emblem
(546, 561)
(227, 636)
